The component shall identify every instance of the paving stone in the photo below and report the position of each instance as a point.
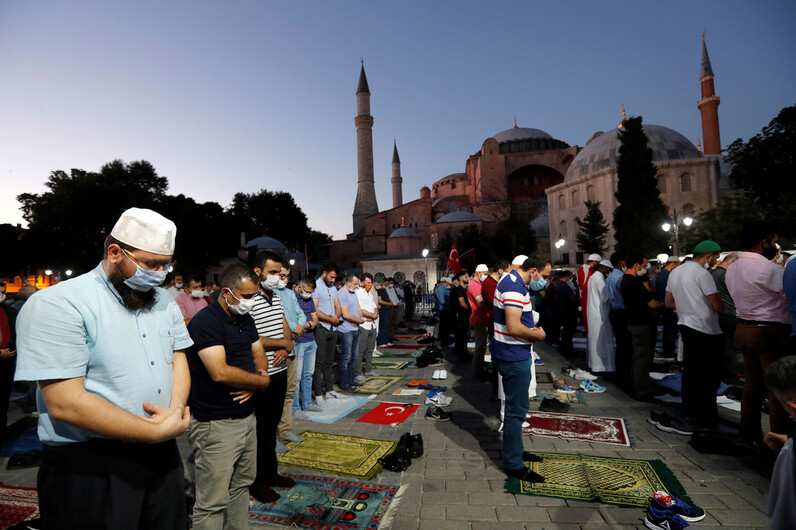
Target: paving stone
(444, 525)
(490, 498)
(444, 497)
(741, 518)
(433, 484)
(404, 523)
(480, 486)
(432, 512)
(530, 514)
(625, 516)
(571, 514)
(470, 513)
(445, 473)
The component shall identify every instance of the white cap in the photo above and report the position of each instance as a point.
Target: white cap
(519, 260)
(482, 268)
(445, 279)
(606, 263)
(146, 230)
(594, 257)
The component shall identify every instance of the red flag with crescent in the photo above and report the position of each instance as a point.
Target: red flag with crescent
(389, 413)
(453, 260)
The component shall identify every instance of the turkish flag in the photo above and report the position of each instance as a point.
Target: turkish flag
(389, 413)
(453, 260)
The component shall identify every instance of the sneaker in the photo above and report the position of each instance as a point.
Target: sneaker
(332, 394)
(668, 423)
(435, 361)
(377, 353)
(582, 375)
(313, 408)
(299, 415)
(443, 374)
(657, 520)
(438, 400)
(435, 375)
(356, 383)
(665, 502)
(360, 379)
(291, 437)
(565, 389)
(538, 362)
(591, 387)
(553, 405)
(372, 374)
(437, 414)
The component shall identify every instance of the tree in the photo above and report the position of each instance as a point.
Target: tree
(638, 218)
(764, 167)
(513, 236)
(593, 230)
(721, 224)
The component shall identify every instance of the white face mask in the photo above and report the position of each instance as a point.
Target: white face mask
(271, 282)
(282, 284)
(641, 272)
(305, 295)
(178, 286)
(2, 298)
(197, 293)
(244, 305)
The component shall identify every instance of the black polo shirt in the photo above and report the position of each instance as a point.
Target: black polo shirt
(213, 327)
(636, 298)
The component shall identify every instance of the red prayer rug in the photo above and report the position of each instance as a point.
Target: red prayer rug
(575, 427)
(389, 413)
(17, 505)
(408, 337)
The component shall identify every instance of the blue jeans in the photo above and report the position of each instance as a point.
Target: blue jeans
(349, 347)
(305, 368)
(516, 379)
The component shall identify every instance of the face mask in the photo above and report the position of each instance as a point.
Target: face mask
(271, 282)
(305, 295)
(2, 298)
(144, 280)
(244, 305)
(368, 288)
(707, 265)
(624, 269)
(282, 284)
(641, 272)
(197, 293)
(178, 286)
(350, 290)
(537, 285)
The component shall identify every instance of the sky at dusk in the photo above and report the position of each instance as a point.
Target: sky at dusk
(226, 97)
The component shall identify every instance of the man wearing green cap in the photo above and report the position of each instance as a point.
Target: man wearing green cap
(693, 292)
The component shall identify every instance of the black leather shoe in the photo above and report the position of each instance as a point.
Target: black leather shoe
(416, 445)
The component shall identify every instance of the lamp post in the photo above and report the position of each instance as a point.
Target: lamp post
(675, 225)
(425, 255)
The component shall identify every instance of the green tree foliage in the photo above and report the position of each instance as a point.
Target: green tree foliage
(721, 224)
(764, 167)
(593, 230)
(513, 236)
(638, 218)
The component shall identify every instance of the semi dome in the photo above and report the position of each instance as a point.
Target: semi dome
(404, 232)
(458, 217)
(541, 226)
(602, 150)
(521, 133)
(265, 242)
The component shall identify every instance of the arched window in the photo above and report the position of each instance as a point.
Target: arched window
(662, 184)
(452, 207)
(689, 210)
(562, 202)
(563, 229)
(591, 193)
(576, 198)
(685, 182)
(399, 276)
(434, 240)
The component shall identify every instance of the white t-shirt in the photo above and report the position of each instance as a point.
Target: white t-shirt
(690, 284)
(366, 302)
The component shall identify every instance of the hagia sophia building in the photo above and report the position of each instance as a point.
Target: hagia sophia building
(528, 172)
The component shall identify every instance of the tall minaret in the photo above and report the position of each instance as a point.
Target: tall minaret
(709, 106)
(366, 190)
(397, 194)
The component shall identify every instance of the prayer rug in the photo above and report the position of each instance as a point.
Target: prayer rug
(416, 382)
(408, 392)
(376, 385)
(17, 505)
(619, 481)
(389, 414)
(563, 397)
(403, 347)
(336, 408)
(408, 337)
(394, 353)
(26, 442)
(574, 427)
(338, 454)
(327, 503)
(544, 377)
(391, 365)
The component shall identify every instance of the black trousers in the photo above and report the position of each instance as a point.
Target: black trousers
(669, 338)
(446, 326)
(624, 347)
(7, 367)
(268, 405)
(702, 364)
(102, 484)
(322, 379)
(462, 333)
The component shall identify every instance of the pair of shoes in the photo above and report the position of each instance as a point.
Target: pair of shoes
(538, 362)
(591, 387)
(667, 512)
(313, 408)
(440, 374)
(565, 389)
(399, 459)
(357, 383)
(281, 481)
(666, 422)
(377, 353)
(525, 475)
(372, 374)
(264, 494)
(299, 415)
(360, 379)
(292, 437)
(281, 448)
(438, 399)
(24, 460)
(530, 457)
(413, 443)
(553, 405)
(347, 389)
(581, 375)
(332, 394)
(437, 414)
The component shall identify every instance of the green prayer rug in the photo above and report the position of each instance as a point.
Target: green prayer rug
(619, 481)
(398, 353)
(375, 385)
(391, 365)
(350, 456)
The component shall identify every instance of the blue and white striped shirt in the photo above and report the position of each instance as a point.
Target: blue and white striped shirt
(511, 292)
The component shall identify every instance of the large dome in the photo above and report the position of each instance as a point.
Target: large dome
(458, 217)
(265, 242)
(403, 232)
(603, 150)
(521, 133)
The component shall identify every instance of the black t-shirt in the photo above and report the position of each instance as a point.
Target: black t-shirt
(636, 297)
(457, 292)
(564, 293)
(382, 292)
(213, 327)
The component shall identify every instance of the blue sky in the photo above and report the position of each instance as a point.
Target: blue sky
(224, 97)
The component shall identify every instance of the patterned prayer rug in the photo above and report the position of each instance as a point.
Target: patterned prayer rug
(574, 427)
(577, 397)
(336, 408)
(389, 413)
(17, 505)
(408, 337)
(327, 503)
(619, 481)
(376, 385)
(338, 454)
(391, 365)
(396, 353)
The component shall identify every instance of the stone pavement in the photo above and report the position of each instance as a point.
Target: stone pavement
(458, 482)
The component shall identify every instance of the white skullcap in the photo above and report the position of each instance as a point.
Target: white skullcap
(482, 268)
(594, 257)
(445, 279)
(146, 230)
(519, 260)
(606, 263)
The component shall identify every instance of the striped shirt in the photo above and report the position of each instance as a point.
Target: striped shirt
(268, 318)
(511, 292)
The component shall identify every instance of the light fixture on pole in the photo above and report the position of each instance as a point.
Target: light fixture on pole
(69, 272)
(425, 255)
(560, 242)
(675, 225)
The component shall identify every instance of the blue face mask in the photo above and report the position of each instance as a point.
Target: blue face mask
(538, 285)
(143, 280)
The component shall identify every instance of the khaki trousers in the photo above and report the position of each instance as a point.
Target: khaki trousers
(285, 426)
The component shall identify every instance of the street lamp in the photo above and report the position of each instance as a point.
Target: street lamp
(561, 242)
(48, 272)
(425, 255)
(675, 225)
(69, 272)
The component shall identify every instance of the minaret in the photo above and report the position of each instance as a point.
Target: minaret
(709, 106)
(397, 194)
(366, 191)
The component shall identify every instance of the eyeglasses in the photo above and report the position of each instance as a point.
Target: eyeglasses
(168, 267)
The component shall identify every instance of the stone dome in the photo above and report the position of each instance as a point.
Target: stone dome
(458, 217)
(541, 226)
(603, 150)
(403, 232)
(521, 133)
(265, 242)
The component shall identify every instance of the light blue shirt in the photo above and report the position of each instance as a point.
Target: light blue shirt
(326, 296)
(612, 284)
(80, 328)
(293, 313)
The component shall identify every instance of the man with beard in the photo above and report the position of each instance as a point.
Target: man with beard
(584, 273)
(328, 309)
(461, 310)
(107, 351)
(600, 345)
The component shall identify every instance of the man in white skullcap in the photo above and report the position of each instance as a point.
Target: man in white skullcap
(106, 349)
(584, 273)
(601, 339)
